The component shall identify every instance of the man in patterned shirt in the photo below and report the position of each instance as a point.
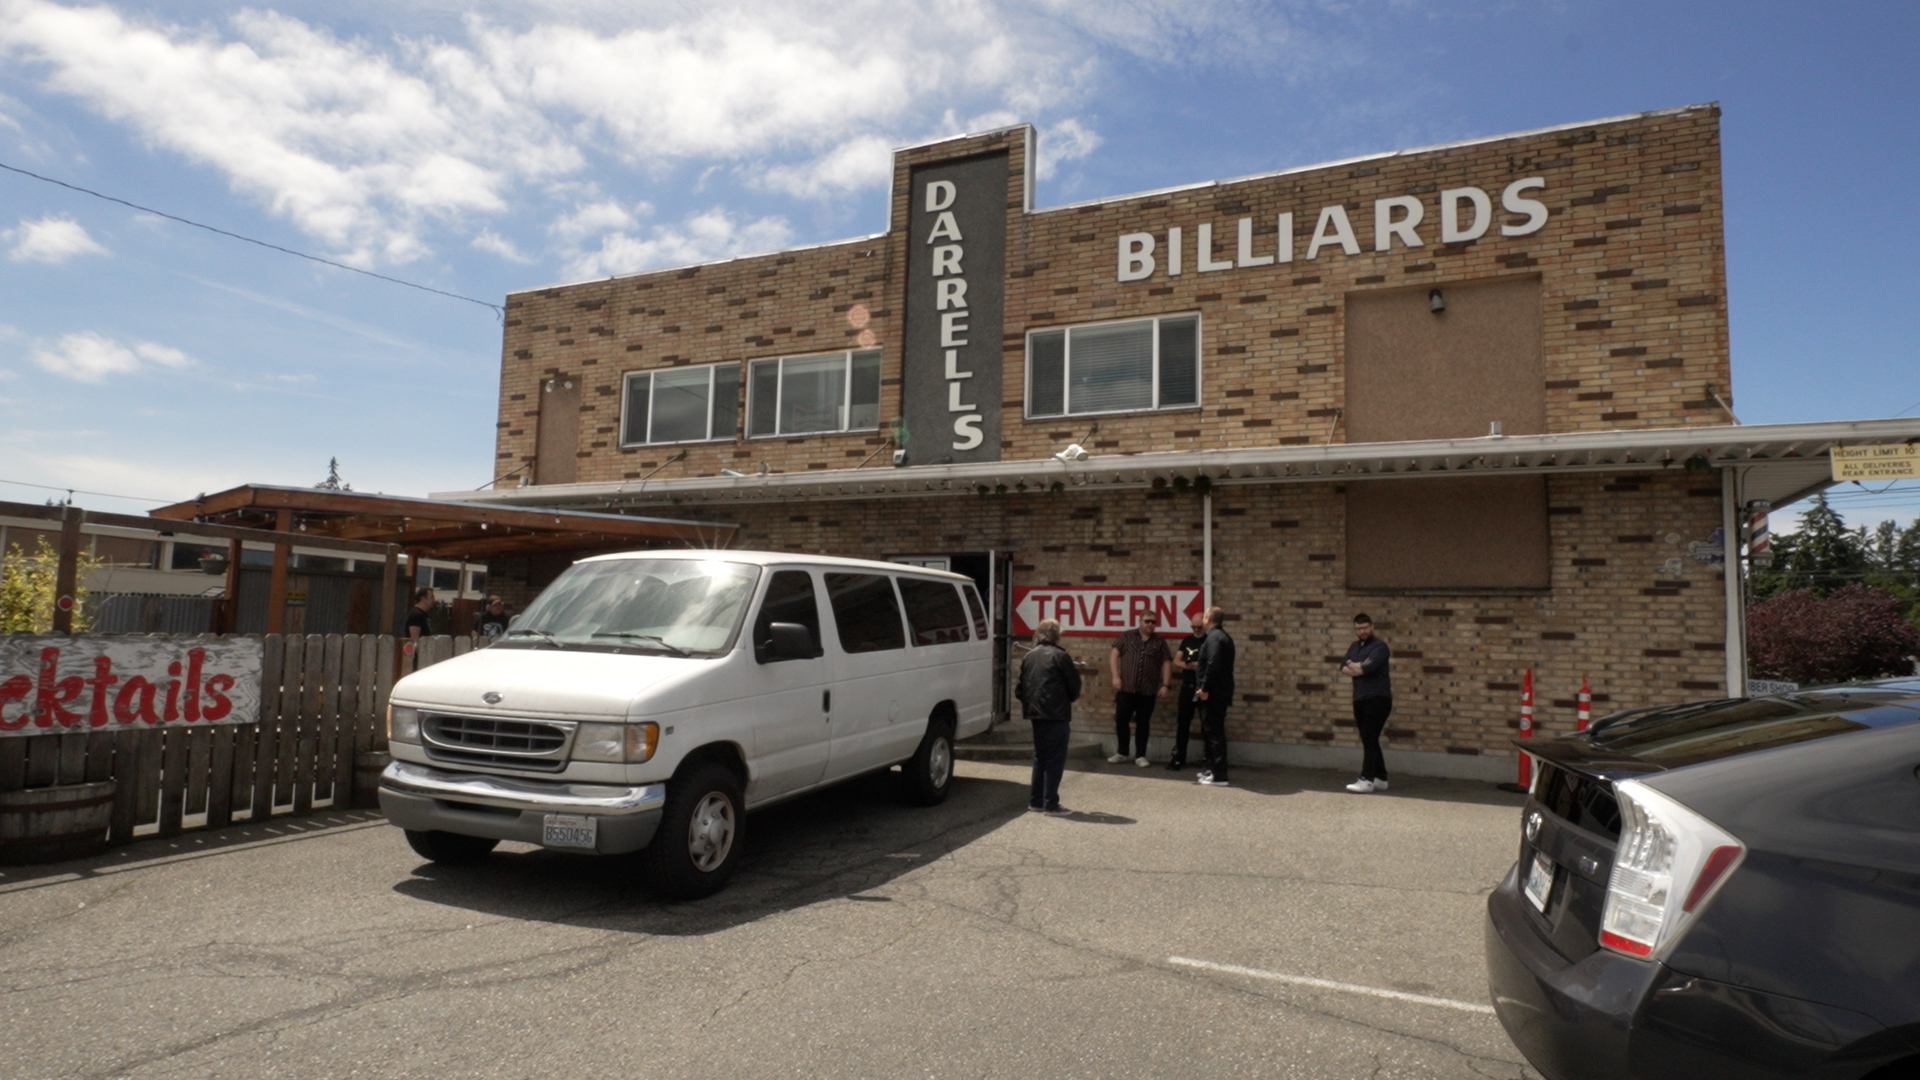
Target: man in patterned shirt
(1142, 673)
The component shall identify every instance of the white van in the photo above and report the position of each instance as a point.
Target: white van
(647, 700)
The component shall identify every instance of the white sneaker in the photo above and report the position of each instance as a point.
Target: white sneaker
(1116, 759)
(1209, 781)
(1362, 786)
(1204, 778)
(1142, 762)
(1379, 785)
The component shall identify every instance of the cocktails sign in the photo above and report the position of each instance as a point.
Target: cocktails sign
(51, 684)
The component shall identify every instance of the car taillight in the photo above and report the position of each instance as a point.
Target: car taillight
(1667, 865)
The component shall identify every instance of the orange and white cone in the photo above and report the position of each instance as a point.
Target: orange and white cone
(1583, 711)
(1525, 781)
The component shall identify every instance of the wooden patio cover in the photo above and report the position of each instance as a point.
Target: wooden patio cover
(436, 528)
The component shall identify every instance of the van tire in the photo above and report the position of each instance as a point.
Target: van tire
(450, 849)
(697, 846)
(929, 772)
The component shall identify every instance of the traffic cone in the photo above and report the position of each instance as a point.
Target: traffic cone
(1583, 711)
(1526, 731)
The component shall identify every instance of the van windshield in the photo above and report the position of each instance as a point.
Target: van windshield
(682, 607)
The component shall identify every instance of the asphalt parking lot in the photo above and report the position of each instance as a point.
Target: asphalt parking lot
(1280, 927)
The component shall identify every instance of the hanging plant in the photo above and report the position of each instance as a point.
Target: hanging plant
(1181, 484)
(1202, 484)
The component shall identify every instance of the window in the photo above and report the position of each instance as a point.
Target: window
(809, 395)
(689, 404)
(438, 578)
(1133, 366)
(866, 611)
(979, 613)
(789, 599)
(934, 611)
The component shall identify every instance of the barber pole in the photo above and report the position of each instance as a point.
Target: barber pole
(1525, 781)
(1759, 538)
(1583, 705)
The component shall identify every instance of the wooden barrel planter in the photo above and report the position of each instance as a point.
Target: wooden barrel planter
(366, 778)
(49, 824)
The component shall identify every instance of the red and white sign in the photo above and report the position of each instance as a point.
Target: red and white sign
(1101, 609)
(51, 684)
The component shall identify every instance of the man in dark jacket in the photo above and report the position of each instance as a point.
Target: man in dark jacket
(1213, 689)
(1367, 663)
(1048, 687)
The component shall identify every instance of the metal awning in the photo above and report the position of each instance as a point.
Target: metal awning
(1778, 462)
(441, 528)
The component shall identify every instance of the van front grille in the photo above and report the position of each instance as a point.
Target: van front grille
(534, 745)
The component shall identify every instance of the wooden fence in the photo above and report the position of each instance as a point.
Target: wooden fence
(323, 701)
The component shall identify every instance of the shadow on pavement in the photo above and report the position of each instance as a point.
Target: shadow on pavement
(836, 843)
(188, 845)
(1290, 780)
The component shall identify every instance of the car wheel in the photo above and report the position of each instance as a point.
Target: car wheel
(449, 849)
(929, 773)
(697, 845)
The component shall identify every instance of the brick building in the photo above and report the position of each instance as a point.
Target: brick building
(1478, 390)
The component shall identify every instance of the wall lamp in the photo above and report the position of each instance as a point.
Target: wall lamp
(1073, 452)
(1436, 303)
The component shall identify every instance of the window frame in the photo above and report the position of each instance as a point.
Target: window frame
(1066, 363)
(626, 400)
(780, 390)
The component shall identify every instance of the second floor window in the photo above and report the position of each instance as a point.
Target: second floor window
(1133, 366)
(810, 395)
(689, 404)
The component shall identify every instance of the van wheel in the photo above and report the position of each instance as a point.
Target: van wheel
(449, 849)
(929, 773)
(697, 846)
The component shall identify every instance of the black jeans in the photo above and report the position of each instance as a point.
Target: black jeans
(1183, 723)
(1370, 716)
(1135, 711)
(1214, 728)
(1049, 762)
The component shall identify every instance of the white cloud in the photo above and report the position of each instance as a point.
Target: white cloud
(863, 161)
(1067, 140)
(90, 357)
(494, 244)
(714, 234)
(51, 239)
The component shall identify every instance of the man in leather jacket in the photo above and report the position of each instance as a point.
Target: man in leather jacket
(1048, 687)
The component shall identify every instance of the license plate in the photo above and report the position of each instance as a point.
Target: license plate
(570, 830)
(1540, 881)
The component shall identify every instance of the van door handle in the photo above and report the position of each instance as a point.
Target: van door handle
(826, 701)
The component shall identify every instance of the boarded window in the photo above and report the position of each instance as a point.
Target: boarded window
(866, 612)
(934, 611)
(790, 599)
(1413, 373)
(1452, 534)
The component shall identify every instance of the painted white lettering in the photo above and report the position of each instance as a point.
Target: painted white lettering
(952, 325)
(946, 260)
(953, 399)
(1450, 230)
(953, 366)
(945, 228)
(1333, 228)
(950, 292)
(1173, 251)
(1385, 229)
(1136, 256)
(1535, 210)
(1247, 257)
(968, 428)
(1203, 252)
(940, 195)
(1283, 238)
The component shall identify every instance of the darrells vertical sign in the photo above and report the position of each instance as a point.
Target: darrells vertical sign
(956, 269)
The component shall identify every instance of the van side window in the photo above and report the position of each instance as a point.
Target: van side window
(865, 609)
(979, 612)
(789, 599)
(934, 611)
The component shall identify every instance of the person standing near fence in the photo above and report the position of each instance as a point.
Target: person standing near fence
(420, 616)
(1047, 689)
(493, 621)
(1366, 664)
(1142, 674)
(1185, 660)
(1213, 689)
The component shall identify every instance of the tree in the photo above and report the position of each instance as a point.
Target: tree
(1853, 632)
(333, 481)
(27, 589)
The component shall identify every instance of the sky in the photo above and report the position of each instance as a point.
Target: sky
(483, 147)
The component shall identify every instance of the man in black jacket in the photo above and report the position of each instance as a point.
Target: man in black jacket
(1367, 662)
(1213, 689)
(1048, 687)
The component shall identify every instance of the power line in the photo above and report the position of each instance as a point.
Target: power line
(79, 491)
(502, 312)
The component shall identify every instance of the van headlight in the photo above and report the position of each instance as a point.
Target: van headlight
(616, 743)
(403, 724)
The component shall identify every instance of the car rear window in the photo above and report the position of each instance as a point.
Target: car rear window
(1703, 731)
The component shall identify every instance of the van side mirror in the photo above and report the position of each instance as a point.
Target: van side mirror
(788, 641)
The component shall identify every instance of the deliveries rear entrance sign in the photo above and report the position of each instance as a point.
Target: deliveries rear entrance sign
(1100, 609)
(51, 684)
